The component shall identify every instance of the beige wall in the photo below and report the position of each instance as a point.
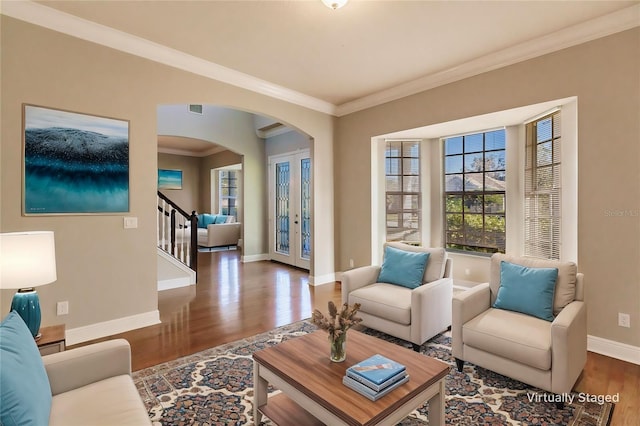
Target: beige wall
(285, 143)
(188, 197)
(604, 75)
(104, 271)
(221, 159)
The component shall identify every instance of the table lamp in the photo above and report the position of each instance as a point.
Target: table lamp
(27, 260)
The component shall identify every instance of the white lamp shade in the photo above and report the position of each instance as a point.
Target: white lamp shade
(27, 259)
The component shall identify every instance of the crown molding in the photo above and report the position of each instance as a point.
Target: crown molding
(603, 26)
(280, 130)
(65, 23)
(188, 153)
(62, 22)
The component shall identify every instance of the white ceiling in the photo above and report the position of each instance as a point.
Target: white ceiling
(334, 61)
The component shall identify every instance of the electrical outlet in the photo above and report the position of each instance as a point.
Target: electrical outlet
(350, 263)
(624, 320)
(467, 271)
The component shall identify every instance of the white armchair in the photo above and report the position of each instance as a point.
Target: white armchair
(415, 315)
(547, 354)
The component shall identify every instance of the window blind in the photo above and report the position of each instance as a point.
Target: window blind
(543, 188)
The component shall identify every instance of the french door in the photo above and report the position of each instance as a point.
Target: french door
(290, 209)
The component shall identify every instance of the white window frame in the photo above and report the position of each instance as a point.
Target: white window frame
(432, 170)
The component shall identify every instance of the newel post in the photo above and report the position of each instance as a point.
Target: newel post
(193, 219)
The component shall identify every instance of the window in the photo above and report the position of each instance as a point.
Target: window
(475, 192)
(402, 191)
(542, 188)
(228, 192)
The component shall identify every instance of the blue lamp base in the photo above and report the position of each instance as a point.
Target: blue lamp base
(27, 304)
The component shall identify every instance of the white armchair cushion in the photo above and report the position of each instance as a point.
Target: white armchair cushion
(511, 335)
(384, 300)
(113, 401)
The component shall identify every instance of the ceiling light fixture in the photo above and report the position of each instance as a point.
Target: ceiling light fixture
(334, 4)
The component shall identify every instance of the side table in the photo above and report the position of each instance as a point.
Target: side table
(52, 340)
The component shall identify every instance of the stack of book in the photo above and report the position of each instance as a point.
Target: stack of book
(375, 377)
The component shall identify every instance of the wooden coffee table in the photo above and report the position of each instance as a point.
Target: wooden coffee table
(312, 389)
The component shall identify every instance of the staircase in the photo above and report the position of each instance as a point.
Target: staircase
(177, 245)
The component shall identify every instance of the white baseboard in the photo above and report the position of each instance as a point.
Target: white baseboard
(175, 283)
(613, 349)
(322, 279)
(108, 328)
(254, 258)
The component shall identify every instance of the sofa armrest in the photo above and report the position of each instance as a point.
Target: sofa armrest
(569, 346)
(88, 364)
(431, 309)
(356, 278)
(440, 289)
(467, 305)
(222, 234)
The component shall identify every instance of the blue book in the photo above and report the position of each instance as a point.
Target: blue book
(370, 393)
(375, 386)
(376, 369)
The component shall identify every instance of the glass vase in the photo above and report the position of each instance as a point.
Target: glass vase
(338, 347)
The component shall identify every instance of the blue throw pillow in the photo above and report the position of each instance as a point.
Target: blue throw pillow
(405, 268)
(205, 220)
(527, 290)
(221, 219)
(24, 385)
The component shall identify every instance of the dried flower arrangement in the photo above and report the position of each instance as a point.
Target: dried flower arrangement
(337, 325)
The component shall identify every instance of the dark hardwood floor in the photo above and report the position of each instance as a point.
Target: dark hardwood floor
(234, 300)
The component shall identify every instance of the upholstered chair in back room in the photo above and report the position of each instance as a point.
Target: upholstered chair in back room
(408, 297)
(528, 323)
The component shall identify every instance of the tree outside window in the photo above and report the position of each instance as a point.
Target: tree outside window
(475, 192)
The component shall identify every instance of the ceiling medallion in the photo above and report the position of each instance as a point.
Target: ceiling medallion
(334, 4)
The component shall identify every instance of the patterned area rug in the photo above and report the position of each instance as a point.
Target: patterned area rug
(215, 387)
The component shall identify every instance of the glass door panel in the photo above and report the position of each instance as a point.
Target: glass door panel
(290, 209)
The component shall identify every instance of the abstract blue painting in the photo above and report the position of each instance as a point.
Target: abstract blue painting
(74, 163)
(169, 179)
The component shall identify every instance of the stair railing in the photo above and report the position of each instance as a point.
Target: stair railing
(177, 232)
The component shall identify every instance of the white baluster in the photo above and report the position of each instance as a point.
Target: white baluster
(188, 245)
(164, 225)
(158, 225)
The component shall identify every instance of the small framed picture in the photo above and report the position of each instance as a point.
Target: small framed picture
(169, 179)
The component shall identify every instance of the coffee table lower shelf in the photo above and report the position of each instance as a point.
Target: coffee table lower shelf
(284, 411)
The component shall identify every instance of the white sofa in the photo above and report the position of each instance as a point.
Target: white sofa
(92, 385)
(219, 234)
(214, 235)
